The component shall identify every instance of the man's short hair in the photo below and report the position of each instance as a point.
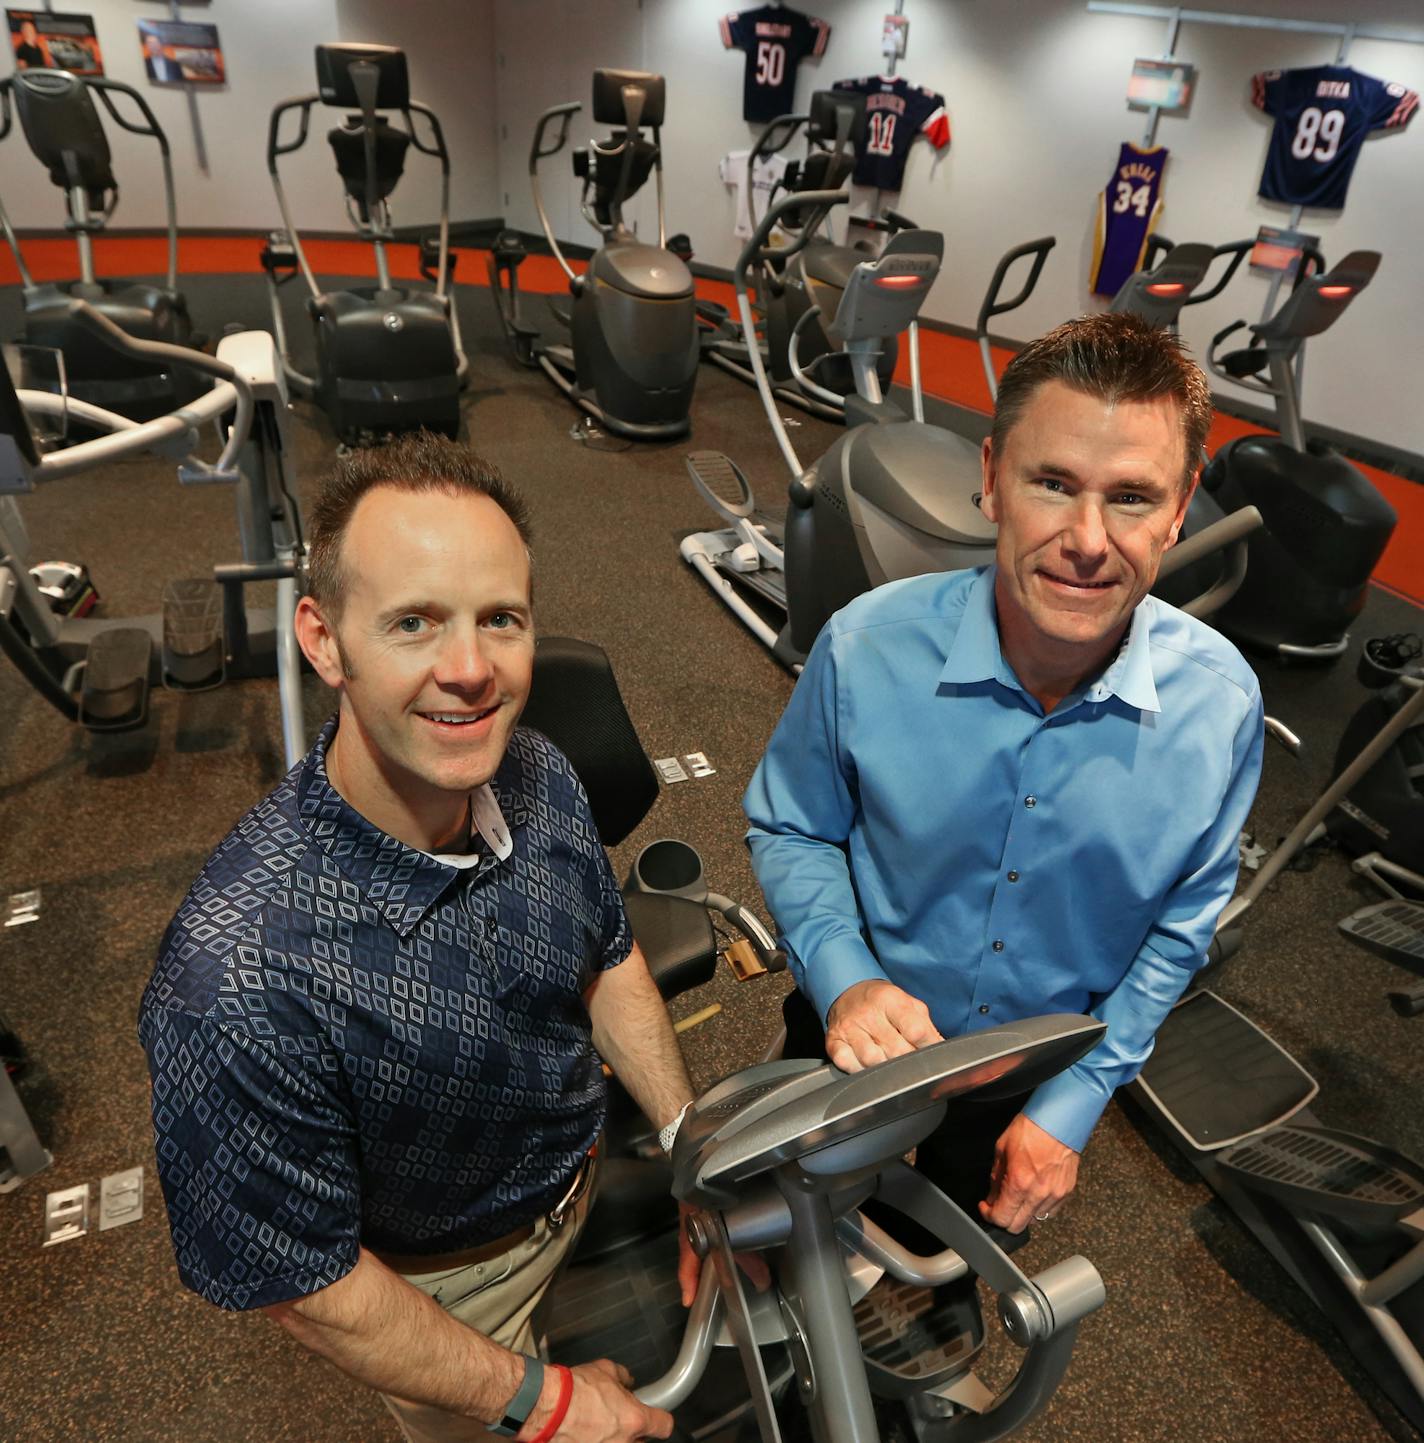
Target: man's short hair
(417, 462)
(1115, 358)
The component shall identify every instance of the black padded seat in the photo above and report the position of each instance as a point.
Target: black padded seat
(641, 270)
(676, 937)
(576, 703)
(832, 264)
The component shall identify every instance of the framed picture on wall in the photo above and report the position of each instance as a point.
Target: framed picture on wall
(1161, 85)
(178, 53)
(54, 40)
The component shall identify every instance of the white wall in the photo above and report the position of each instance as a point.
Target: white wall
(1034, 91)
(267, 47)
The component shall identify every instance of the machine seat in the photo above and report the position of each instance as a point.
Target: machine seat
(575, 702)
(832, 265)
(642, 270)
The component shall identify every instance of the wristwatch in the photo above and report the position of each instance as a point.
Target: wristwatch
(519, 1407)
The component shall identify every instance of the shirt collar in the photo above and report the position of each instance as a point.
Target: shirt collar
(402, 881)
(975, 654)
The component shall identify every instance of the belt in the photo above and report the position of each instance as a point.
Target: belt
(468, 1257)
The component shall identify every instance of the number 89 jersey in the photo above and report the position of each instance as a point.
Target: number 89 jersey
(1323, 114)
(1127, 213)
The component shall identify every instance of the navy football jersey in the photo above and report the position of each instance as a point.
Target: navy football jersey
(776, 40)
(1323, 114)
(1127, 214)
(895, 113)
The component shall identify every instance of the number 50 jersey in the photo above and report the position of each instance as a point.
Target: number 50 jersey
(1323, 114)
(775, 39)
(1127, 214)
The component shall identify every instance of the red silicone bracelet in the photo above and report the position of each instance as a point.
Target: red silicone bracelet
(561, 1408)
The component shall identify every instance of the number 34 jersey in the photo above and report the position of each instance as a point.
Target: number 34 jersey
(1127, 214)
(775, 39)
(1323, 114)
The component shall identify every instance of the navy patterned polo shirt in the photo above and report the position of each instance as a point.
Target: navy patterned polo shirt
(354, 1043)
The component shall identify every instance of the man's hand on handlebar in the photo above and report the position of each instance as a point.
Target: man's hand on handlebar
(873, 1021)
(601, 1408)
(1033, 1174)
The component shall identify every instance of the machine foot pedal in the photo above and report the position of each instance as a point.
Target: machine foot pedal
(915, 1338)
(114, 694)
(1217, 1078)
(1316, 1169)
(722, 483)
(1393, 930)
(193, 650)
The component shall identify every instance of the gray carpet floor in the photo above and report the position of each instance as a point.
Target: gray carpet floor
(1202, 1339)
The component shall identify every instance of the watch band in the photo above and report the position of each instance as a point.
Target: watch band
(668, 1135)
(519, 1407)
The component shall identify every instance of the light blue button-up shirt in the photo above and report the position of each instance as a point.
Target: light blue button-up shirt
(917, 817)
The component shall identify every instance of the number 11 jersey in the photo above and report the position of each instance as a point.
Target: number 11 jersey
(1323, 114)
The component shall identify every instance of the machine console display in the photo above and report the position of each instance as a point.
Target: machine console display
(334, 81)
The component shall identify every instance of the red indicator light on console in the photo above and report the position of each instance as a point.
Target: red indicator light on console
(1336, 293)
(899, 283)
(1166, 288)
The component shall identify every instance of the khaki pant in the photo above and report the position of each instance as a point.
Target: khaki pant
(503, 1298)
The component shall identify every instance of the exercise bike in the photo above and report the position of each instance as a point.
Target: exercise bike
(388, 358)
(64, 130)
(1326, 526)
(98, 672)
(632, 359)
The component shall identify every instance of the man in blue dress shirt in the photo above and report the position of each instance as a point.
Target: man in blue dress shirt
(1019, 790)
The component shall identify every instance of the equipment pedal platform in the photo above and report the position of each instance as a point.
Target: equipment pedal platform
(914, 1338)
(114, 693)
(193, 644)
(1393, 930)
(1218, 1078)
(1316, 1169)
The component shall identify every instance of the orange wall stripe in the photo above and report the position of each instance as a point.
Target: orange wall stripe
(949, 365)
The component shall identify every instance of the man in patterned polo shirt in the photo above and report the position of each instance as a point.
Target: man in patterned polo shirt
(373, 1022)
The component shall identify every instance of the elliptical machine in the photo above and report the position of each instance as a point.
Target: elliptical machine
(1326, 526)
(63, 128)
(388, 358)
(98, 671)
(798, 287)
(894, 497)
(632, 361)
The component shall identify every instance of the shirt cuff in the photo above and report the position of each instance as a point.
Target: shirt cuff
(840, 962)
(1067, 1107)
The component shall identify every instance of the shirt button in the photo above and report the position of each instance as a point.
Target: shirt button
(1030, 801)
(998, 944)
(1013, 876)
(984, 1007)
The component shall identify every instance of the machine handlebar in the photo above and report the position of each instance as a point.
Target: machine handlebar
(127, 437)
(758, 249)
(992, 306)
(564, 113)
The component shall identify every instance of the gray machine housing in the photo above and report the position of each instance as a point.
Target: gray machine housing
(64, 130)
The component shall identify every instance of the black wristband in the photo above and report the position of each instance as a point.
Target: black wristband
(519, 1407)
